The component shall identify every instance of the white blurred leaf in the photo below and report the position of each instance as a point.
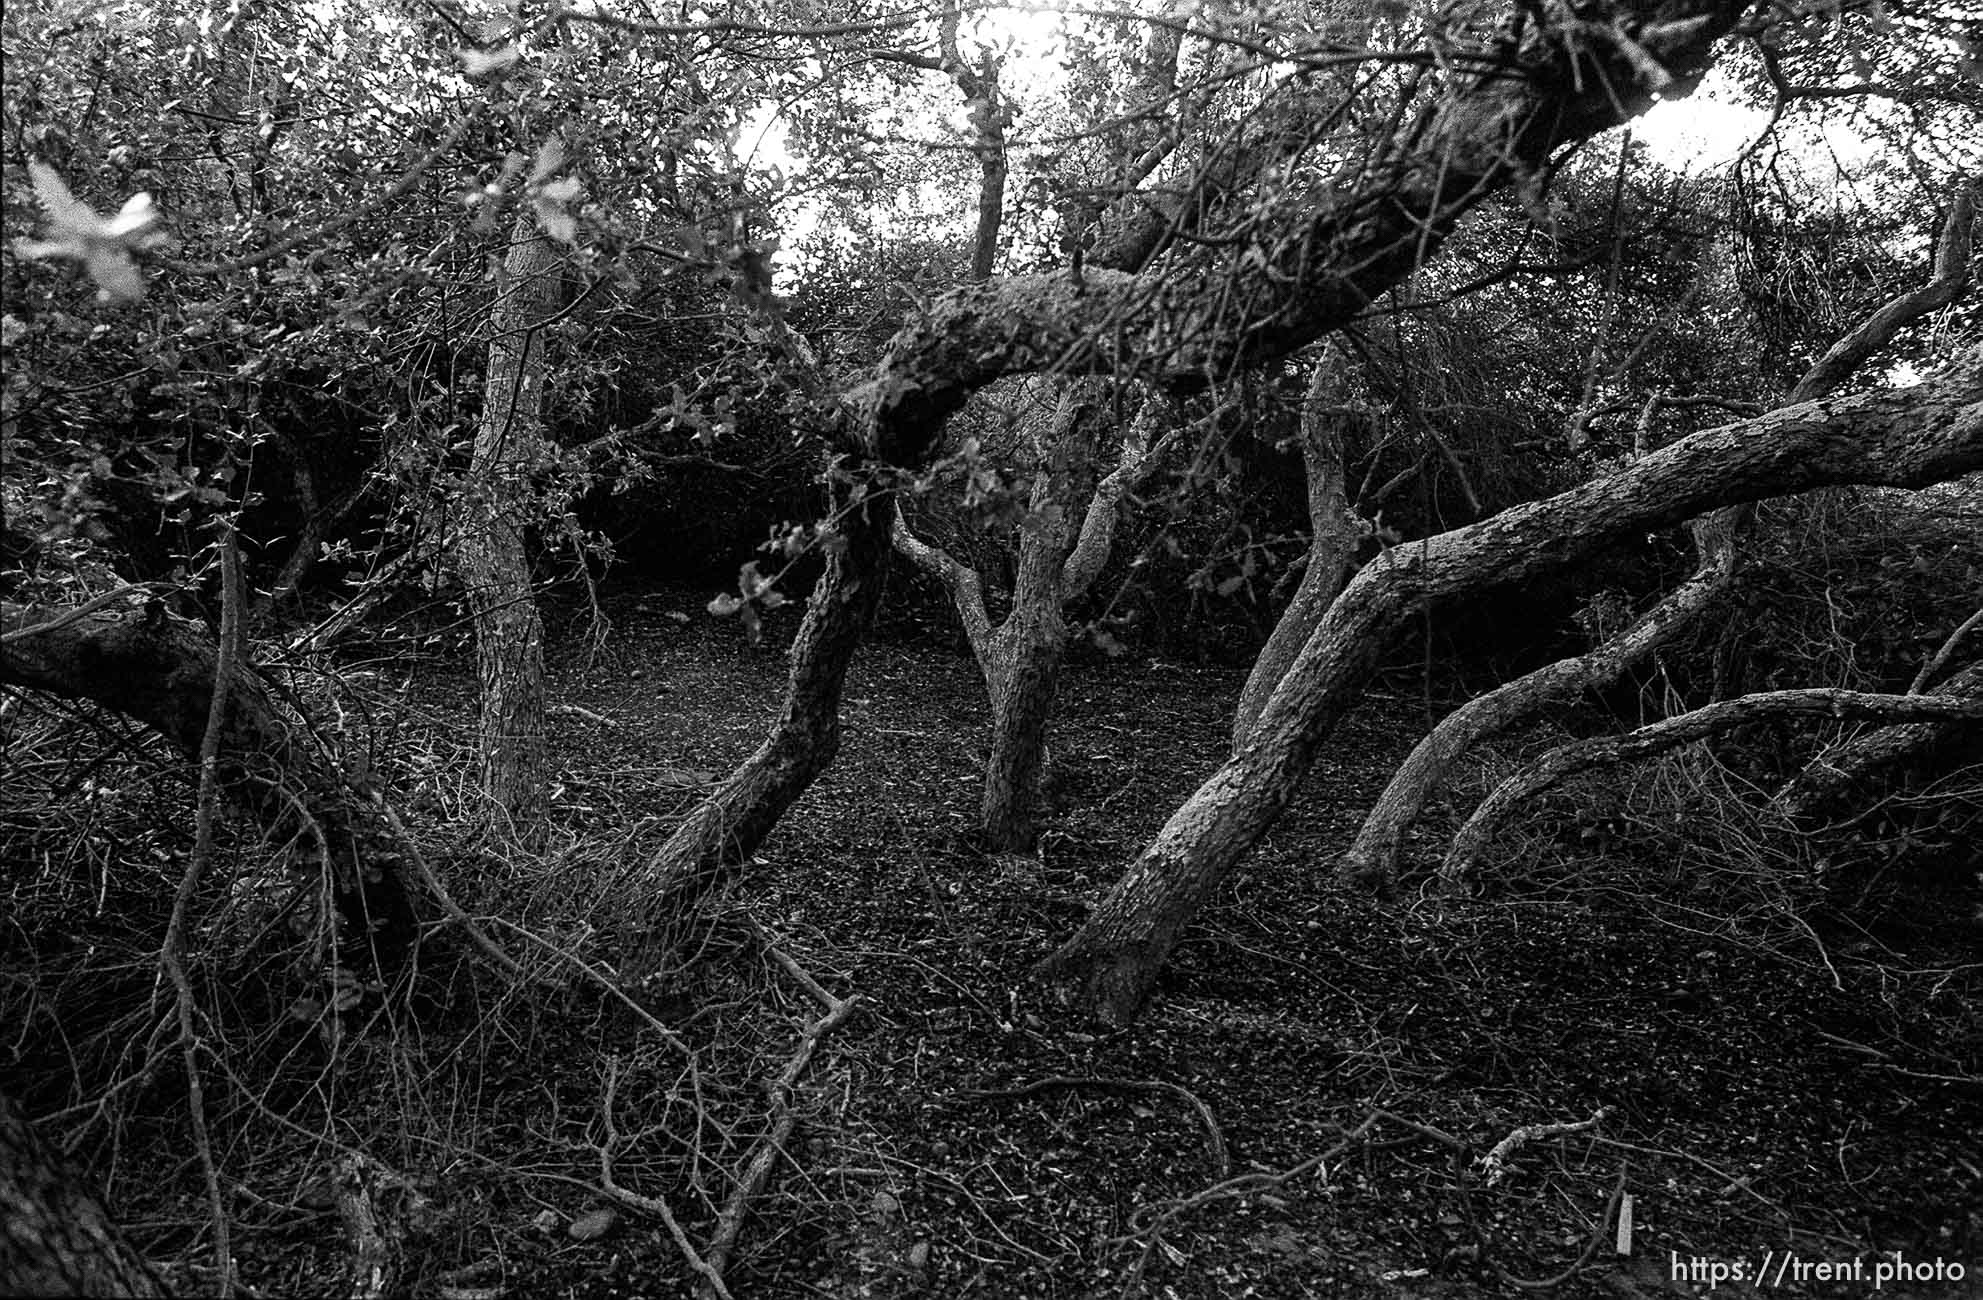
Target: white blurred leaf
(480, 63)
(558, 223)
(103, 246)
(550, 157)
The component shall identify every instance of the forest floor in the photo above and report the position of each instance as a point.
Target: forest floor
(1303, 1110)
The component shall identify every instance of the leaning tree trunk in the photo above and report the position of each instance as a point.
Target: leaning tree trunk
(55, 1238)
(726, 828)
(1902, 438)
(1333, 532)
(160, 670)
(1372, 858)
(1718, 542)
(495, 569)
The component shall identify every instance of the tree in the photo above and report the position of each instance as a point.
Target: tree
(1321, 175)
(161, 670)
(57, 1239)
(1190, 314)
(1903, 438)
(1063, 542)
(510, 449)
(1831, 775)
(1463, 857)
(1334, 530)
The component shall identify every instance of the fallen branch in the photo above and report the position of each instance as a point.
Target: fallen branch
(576, 711)
(372, 1242)
(757, 1171)
(1495, 1162)
(712, 1280)
(81, 612)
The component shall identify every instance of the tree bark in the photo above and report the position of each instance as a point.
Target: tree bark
(1565, 761)
(1182, 323)
(55, 1238)
(1023, 674)
(160, 670)
(1827, 778)
(988, 116)
(1718, 541)
(1901, 438)
(1333, 532)
(490, 555)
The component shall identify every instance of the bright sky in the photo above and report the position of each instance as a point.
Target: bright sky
(1702, 132)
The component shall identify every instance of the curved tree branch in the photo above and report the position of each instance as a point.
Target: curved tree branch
(966, 588)
(1565, 761)
(1828, 776)
(1543, 89)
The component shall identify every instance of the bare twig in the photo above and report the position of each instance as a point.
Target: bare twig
(172, 952)
(1941, 656)
(422, 872)
(607, 983)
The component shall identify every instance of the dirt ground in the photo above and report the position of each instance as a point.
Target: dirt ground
(1307, 1109)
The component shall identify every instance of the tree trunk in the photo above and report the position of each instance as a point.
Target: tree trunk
(1374, 856)
(726, 828)
(1718, 539)
(1333, 533)
(1904, 438)
(490, 554)
(1062, 548)
(57, 1240)
(158, 669)
(1022, 675)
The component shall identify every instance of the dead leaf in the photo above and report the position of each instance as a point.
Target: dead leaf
(593, 1226)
